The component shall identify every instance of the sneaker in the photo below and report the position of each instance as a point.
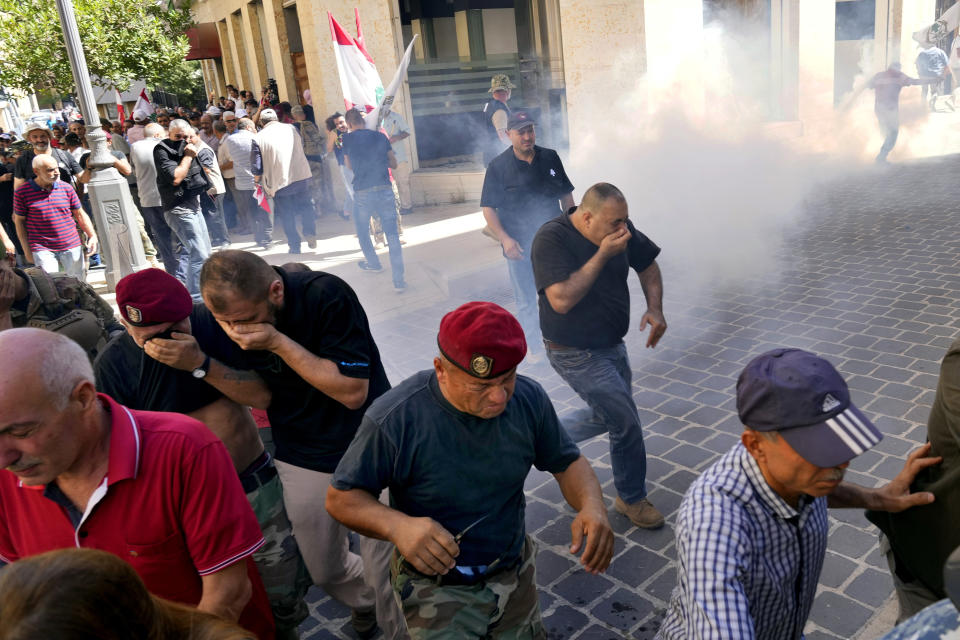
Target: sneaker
(366, 266)
(400, 286)
(312, 242)
(364, 622)
(643, 513)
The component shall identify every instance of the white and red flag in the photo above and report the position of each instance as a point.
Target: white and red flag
(261, 197)
(121, 116)
(143, 103)
(359, 79)
(939, 30)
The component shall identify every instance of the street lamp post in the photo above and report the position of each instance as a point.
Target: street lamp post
(114, 212)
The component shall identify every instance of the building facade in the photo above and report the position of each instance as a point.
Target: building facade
(570, 60)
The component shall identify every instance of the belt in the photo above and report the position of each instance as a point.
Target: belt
(454, 578)
(556, 346)
(260, 472)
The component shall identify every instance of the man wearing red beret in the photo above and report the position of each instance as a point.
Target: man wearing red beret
(454, 444)
(171, 359)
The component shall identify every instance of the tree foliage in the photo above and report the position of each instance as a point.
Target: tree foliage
(123, 40)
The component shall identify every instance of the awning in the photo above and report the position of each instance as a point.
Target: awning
(204, 41)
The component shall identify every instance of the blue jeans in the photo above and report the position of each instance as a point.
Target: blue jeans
(290, 202)
(187, 224)
(525, 293)
(163, 236)
(602, 378)
(378, 201)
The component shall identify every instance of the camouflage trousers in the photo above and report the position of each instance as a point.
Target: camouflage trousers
(504, 607)
(282, 570)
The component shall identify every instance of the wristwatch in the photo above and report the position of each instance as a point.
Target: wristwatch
(201, 372)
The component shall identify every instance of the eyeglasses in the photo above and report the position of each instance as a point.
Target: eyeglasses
(233, 120)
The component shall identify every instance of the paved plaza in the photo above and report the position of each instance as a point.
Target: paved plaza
(868, 278)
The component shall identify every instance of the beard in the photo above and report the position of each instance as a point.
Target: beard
(42, 146)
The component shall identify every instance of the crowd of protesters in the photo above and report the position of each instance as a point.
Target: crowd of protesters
(139, 437)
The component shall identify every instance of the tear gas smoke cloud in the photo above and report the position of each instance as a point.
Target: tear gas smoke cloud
(708, 171)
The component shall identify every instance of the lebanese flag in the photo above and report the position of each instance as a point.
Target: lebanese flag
(261, 197)
(359, 79)
(143, 102)
(120, 114)
(375, 118)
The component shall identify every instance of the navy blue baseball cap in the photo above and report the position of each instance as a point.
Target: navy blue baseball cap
(804, 398)
(519, 120)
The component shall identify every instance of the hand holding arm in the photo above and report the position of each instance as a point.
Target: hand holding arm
(582, 491)
(894, 496)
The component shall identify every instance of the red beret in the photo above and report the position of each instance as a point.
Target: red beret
(482, 338)
(152, 296)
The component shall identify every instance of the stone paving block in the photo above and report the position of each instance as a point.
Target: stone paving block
(872, 587)
(564, 623)
(557, 533)
(596, 632)
(658, 444)
(839, 613)
(679, 481)
(581, 588)
(635, 565)
(706, 416)
(836, 570)
(551, 566)
(539, 514)
(850, 542)
(695, 435)
(690, 456)
(623, 609)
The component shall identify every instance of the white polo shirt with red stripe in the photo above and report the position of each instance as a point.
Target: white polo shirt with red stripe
(171, 505)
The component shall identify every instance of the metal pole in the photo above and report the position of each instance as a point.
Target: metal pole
(114, 212)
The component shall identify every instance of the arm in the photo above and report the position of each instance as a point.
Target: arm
(391, 159)
(256, 161)
(122, 166)
(8, 294)
(422, 542)
(189, 153)
(346, 162)
(652, 283)
(17, 182)
(8, 247)
(893, 497)
(400, 135)
(322, 373)
(564, 296)
(226, 592)
(20, 223)
(183, 352)
(83, 221)
(581, 490)
(511, 248)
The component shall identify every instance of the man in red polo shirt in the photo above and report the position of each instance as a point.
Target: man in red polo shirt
(46, 212)
(156, 489)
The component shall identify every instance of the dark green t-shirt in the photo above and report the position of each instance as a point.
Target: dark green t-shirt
(454, 467)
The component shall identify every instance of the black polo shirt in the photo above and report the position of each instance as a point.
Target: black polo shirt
(457, 468)
(525, 194)
(322, 314)
(131, 377)
(602, 317)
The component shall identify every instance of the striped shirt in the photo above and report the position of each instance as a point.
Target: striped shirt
(49, 215)
(748, 563)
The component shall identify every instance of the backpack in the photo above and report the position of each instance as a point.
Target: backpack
(61, 316)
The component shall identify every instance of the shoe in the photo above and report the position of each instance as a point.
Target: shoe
(407, 211)
(643, 513)
(95, 262)
(224, 245)
(366, 266)
(400, 286)
(312, 242)
(364, 622)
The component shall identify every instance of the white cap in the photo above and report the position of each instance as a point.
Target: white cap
(213, 111)
(140, 114)
(268, 114)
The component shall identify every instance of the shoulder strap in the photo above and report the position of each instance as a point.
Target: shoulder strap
(45, 287)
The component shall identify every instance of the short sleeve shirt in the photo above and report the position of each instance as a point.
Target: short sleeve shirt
(167, 476)
(48, 215)
(454, 467)
(131, 377)
(602, 317)
(525, 194)
(367, 150)
(322, 314)
(394, 124)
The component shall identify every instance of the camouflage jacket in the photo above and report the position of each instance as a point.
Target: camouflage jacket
(66, 305)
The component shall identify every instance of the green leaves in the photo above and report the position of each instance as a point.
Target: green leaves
(124, 40)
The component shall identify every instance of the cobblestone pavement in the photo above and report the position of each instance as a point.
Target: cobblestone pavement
(868, 279)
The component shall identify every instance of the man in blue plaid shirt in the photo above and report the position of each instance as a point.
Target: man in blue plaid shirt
(752, 529)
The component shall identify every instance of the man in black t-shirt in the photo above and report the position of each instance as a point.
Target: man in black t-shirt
(454, 445)
(581, 262)
(171, 359)
(307, 336)
(524, 187)
(369, 155)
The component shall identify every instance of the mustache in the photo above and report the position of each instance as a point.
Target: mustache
(22, 465)
(836, 475)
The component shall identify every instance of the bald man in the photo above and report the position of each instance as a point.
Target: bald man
(47, 212)
(153, 477)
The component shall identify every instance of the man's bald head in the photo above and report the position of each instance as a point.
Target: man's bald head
(599, 194)
(39, 357)
(46, 170)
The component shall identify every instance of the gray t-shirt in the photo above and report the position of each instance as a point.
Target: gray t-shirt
(238, 145)
(141, 157)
